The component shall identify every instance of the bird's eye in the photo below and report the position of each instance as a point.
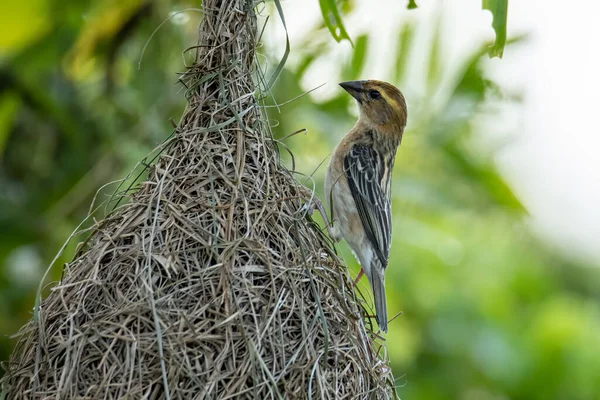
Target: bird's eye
(374, 94)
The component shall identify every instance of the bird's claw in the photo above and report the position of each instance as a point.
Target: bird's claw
(316, 204)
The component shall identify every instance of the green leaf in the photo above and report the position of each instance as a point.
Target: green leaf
(352, 71)
(407, 34)
(305, 62)
(283, 60)
(499, 10)
(333, 20)
(411, 5)
(22, 25)
(434, 72)
(9, 106)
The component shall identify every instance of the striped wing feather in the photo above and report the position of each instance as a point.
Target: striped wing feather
(365, 170)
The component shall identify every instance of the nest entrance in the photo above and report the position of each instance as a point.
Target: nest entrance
(210, 282)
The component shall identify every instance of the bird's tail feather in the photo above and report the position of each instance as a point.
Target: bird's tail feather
(378, 286)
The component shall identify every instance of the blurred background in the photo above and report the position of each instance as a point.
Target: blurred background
(496, 254)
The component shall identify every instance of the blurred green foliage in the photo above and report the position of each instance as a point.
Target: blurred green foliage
(488, 311)
(499, 9)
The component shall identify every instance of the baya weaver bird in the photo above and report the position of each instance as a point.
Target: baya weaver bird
(358, 182)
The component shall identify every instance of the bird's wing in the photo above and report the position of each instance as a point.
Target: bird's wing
(365, 169)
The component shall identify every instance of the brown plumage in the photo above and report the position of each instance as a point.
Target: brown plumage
(358, 181)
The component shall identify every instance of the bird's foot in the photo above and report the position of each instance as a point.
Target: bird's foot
(310, 207)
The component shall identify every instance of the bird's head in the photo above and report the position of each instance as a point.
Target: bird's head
(380, 103)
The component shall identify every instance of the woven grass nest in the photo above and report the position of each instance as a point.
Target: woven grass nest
(210, 282)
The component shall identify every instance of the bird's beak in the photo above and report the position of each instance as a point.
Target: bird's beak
(355, 88)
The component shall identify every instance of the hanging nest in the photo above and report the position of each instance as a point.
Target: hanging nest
(211, 281)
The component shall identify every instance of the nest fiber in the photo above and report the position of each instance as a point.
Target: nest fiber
(210, 282)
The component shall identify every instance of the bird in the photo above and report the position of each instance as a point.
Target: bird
(358, 182)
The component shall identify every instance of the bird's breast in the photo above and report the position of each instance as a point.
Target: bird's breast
(345, 214)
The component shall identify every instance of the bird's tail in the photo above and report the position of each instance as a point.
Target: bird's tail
(378, 286)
